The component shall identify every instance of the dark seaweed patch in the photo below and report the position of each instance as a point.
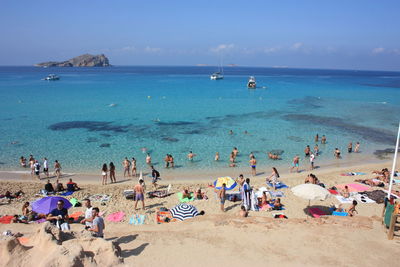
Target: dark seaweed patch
(170, 139)
(92, 140)
(277, 151)
(368, 133)
(175, 123)
(384, 153)
(91, 126)
(306, 102)
(105, 145)
(105, 134)
(393, 84)
(295, 138)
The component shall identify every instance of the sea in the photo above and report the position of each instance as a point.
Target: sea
(93, 116)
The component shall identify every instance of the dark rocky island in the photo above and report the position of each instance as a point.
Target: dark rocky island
(85, 60)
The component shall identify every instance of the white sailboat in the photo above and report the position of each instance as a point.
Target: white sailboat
(219, 75)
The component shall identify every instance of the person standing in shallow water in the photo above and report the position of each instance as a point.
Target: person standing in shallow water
(307, 151)
(323, 139)
(357, 148)
(216, 156)
(316, 138)
(134, 168)
(350, 147)
(112, 173)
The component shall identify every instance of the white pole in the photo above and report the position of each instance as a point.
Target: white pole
(394, 164)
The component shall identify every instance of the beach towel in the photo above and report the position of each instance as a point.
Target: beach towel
(377, 195)
(129, 194)
(354, 187)
(183, 200)
(23, 240)
(68, 193)
(254, 202)
(344, 200)
(6, 219)
(116, 216)
(100, 197)
(278, 185)
(234, 196)
(164, 217)
(316, 212)
(75, 202)
(137, 219)
(353, 173)
(76, 215)
(40, 221)
(338, 213)
(333, 192)
(273, 194)
(363, 199)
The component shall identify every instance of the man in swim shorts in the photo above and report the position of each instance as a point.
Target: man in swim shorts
(139, 193)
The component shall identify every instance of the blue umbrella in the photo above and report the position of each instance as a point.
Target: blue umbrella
(184, 211)
(47, 204)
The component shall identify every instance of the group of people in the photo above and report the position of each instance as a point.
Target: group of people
(71, 186)
(35, 166)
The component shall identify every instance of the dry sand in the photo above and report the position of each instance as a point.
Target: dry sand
(216, 238)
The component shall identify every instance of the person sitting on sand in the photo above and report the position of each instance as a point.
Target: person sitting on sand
(88, 221)
(186, 193)
(59, 216)
(200, 195)
(49, 187)
(345, 193)
(72, 186)
(273, 178)
(352, 209)
(277, 205)
(98, 224)
(59, 186)
(264, 200)
(243, 212)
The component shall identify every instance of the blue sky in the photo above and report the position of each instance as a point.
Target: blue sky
(340, 34)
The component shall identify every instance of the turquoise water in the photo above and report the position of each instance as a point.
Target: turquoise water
(178, 109)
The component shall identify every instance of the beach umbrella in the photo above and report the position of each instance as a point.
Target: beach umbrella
(311, 192)
(228, 181)
(47, 204)
(184, 211)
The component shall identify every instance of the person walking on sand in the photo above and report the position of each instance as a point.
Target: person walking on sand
(139, 193)
(357, 148)
(350, 147)
(57, 169)
(31, 164)
(295, 163)
(222, 196)
(37, 169)
(126, 164)
(155, 176)
(253, 163)
(104, 171)
(46, 167)
(134, 168)
(112, 173)
(312, 159)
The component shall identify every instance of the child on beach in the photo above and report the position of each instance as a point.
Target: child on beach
(352, 209)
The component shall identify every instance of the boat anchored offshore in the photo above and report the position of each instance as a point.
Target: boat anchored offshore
(52, 77)
(251, 84)
(217, 76)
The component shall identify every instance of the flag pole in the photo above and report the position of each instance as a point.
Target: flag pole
(394, 164)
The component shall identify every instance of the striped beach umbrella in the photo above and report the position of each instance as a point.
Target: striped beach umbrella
(228, 181)
(184, 211)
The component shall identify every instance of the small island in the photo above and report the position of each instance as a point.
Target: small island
(85, 60)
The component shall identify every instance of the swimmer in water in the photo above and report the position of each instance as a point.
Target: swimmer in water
(230, 132)
(148, 159)
(191, 156)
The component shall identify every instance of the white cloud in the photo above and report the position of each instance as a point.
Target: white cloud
(297, 46)
(270, 50)
(378, 50)
(149, 49)
(222, 47)
(396, 51)
(128, 48)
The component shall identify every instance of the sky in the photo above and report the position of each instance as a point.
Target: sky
(330, 34)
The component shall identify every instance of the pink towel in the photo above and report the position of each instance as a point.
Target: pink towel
(316, 212)
(354, 187)
(116, 216)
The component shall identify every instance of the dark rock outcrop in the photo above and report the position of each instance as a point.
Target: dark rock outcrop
(85, 60)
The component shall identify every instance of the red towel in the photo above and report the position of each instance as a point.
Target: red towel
(6, 219)
(333, 192)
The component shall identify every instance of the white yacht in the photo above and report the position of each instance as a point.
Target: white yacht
(216, 76)
(251, 84)
(52, 77)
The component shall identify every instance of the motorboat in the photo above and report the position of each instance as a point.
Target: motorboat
(251, 84)
(52, 77)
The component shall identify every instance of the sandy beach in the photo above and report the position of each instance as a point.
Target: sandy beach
(219, 238)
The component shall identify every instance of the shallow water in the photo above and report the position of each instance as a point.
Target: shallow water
(96, 115)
